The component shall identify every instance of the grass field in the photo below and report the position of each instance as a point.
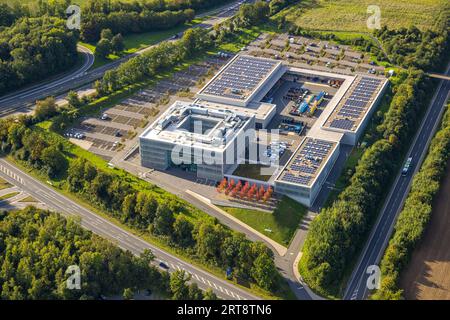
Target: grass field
(283, 222)
(351, 15)
(428, 274)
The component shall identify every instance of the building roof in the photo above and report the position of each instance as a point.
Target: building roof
(356, 103)
(307, 161)
(193, 124)
(240, 79)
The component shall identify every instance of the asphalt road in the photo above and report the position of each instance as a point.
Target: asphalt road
(104, 228)
(357, 286)
(26, 98)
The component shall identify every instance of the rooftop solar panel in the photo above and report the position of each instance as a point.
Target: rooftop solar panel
(352, 109)
(345, 124)
(240, 78)
(308, 160)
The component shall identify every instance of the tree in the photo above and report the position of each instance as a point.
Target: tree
(73, 99)
(178, 285)
(128, 294)
(45, 108)
(163, 223)
(209, 241)
(100, 88)
(53, 158)
(117, 43)
(106, 34)
(264, 271)
(40, 235)
(128, 207)
(45, 48)
(182, 231)
(146, 207)
(209, 295)
(194, 292)
(103, 48)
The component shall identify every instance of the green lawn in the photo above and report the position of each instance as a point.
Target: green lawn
(351, 15)
(283, 222)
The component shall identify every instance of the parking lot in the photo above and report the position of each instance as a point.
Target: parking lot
(312, 53)
(109, 132)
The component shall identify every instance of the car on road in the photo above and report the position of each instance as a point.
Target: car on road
(407, 166)
(163, 265)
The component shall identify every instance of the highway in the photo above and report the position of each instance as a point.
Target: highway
(20, 99)
(124, 239)
(26, 97)
(381, 233)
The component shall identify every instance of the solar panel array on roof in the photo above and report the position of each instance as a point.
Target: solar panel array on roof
(357, 103)
(306, 163)
(345, 124)
(240, 78)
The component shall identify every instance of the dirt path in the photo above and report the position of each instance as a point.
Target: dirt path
(428, 274)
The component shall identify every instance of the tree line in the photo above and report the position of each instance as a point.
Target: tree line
(413, 219)
(132, 22)
(37, 247)
(422, 49)
(138, 16)
(34, 48)
(108, 6)
(155, 60)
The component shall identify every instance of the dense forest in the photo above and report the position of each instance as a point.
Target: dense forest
(413, 219)
(37, 247)
(34, 48)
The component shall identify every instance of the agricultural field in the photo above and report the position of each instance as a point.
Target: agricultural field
(427, 276)
(351, 15)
